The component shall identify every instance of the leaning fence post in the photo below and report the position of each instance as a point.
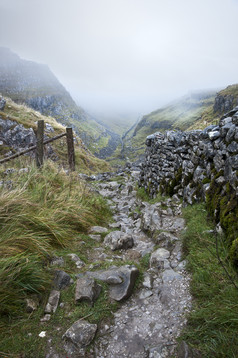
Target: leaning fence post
(70, 144)
(39, 144)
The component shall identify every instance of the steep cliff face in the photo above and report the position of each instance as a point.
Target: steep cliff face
(226, 99)
(34, 84)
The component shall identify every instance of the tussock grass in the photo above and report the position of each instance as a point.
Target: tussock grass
(46, 210)
(212, 324)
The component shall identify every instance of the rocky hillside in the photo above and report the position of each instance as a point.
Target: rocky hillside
(224, 101)
(35, 85)
(18, 124)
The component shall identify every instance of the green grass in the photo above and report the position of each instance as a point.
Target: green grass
(45, 211)
(143, 195)
(213, 321)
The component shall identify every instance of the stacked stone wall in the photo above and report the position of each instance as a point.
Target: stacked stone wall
(198, 165)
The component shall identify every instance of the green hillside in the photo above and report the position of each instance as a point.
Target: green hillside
(180, 114)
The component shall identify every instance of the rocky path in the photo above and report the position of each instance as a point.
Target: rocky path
(152, 314)
(147, 323)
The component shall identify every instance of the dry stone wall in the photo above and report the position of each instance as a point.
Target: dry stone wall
(198, 165)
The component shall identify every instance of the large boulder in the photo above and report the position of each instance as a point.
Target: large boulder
(121, 280)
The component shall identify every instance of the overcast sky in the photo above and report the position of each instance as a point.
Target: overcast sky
(127, 55)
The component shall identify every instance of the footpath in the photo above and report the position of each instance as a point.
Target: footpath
(149, 279)
(149, 321)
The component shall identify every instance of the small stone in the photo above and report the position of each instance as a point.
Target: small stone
(57, 261)
(87, 290)
(98, 230)
(79, 263)
(95, 237)
(145, 294)
(46, 318)
(148, 281)
(42, 334)
(31, 305)
(159, 256)
(53, 302)
(61, 280)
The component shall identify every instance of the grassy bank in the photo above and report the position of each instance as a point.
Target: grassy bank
(44, 211)
(213, 321)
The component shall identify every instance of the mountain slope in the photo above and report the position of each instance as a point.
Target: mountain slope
(18, 124)
(180, 114)
(224, 101)
(34, 84)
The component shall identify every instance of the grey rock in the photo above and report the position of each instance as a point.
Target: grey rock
(31, 305)
(53, 302)
(234, 162)
(145, 294)
(87, 290)
(214, 134)
(147, 281)
(184, 351)
(121, 280)
(117, 240)
(170, 275)
(57, 261)
(61, 280)
(78, 262)
(98, 230)
(46, 318)
(233, 147)
(79, 336)
(95, 237)
(159, 258)
(2, 103)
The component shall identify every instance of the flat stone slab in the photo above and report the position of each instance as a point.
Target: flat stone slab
(121, 280)
(171, 275)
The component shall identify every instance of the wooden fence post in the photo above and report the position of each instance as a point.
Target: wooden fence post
(70, 144)
(39, 144)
